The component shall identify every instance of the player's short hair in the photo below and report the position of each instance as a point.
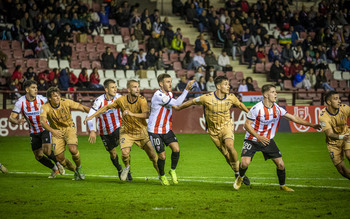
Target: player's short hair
(266, 88)
(129, 82)
(219, 79)
(329, 95)
(107, 82)
(52, 90)
(29, 83)
(161, 77)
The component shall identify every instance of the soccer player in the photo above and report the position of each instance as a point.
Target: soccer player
(40, 139)
(261, 125)
(159, 125)
(219, 123)
(58, 112)
(108, 123)
(333, 120)
(3, 169)
(134, 127)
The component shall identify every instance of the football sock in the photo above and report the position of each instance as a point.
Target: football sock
(126, 160)
(46, 162)
(76, 158)
(242, 171)
(236, 174)
(161, 164)
(174, 159)
(55, 168)
(115, 162)
(52, 157)
(281, 176)
(68, 165)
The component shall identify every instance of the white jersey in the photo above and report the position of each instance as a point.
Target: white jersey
(160, 119)
(109, 121)
(31, 111)
(266, 120)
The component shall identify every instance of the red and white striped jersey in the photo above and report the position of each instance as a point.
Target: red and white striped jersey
(108, 121)
(160, 119)
(266, 120)
(31, 111)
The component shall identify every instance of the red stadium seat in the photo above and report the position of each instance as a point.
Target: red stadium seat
(260, 68)
(17, 54)
(5, 44)
(75, 64)
(287, 84)
(220, 73)
(42, 63)
(86, 64)
(234, 84)
(90, 48)
(302, 94)
(177, 66)
(28, 52)
(93, 56)
(96, 64)
(16, 45)
(174, 57)
(80, 47)
(101, 48)
(98, 39)
(230, 75)
(31, 63)
(83, 56)
(239, 76)
(124, 31)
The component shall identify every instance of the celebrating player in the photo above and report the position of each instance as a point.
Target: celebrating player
(108, 123)
(133, 129)
(159, 125)
(218, 119)
(3, 169)
(333, 120)
(261, 125)
(40, 139)
(58, 112)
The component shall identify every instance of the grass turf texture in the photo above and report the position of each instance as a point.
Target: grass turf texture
(204, 189)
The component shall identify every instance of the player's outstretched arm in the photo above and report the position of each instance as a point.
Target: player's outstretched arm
(83, 108)
(92, 134)
(97, 113)
(15, 120)
(301, 121)
(184, 105)
(175, 102)
(43, 121)
(248, 128)
(143, 115)
(329, 133)
(243, 107)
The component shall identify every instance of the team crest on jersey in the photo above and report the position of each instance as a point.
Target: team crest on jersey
(277, 113)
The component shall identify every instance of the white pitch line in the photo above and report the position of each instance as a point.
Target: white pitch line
(202, 179)
(161, 209)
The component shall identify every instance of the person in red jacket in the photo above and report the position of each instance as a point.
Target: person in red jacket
(44, 75)
(17, 74)
(95, 79)
(55, 73)
(73, 80)
(296, 67)
(84, 78)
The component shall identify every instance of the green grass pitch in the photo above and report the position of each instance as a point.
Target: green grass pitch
(204, 190)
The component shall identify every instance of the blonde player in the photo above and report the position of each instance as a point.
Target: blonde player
(261, 125)
(134, 127)
(58, 112)
(218, 119)
(160, 122)
(40, 139)
(333, 120)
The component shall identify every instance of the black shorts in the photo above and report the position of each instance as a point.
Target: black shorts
(38, 139)
(270, 151)
(158, 140)
(111, 141)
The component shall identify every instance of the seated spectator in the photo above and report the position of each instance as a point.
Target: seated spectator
(238, 28)
(321, 81)
(15, 86)
(198, 61)
(249, 82)
(345, 63)
(231, 46)
(309, 61)
(224, 61)
(29, 74)
(201, 44)
(182, 83)
(63, 80)
(154, 42)
(261, 57)
(165, 44)
(198, 74)
(44, 75)
(95, 80)
(51, 32)
(157, 26)
(296, 67)
(242, 87)
(147, 27)
(294, 36)
(73, 80)
(151, 59)
(103, 14)
(210, 84)
(332, 54)
(27, 22)
(311, 76)
(202, 84)
(287, 73)
(43, 85)
(203, 22)
(108, 61)
(277, 71)
(298, 53)
(133, 44)
(210, 73)
(138, 32)
(122, 60)
(169, 33)
(55, 49)
(77, 24)
(17, 74)
(142, 59)
(287, 53)
(274, 53)
(160, 63)
(83, 80)
(42, 51)
(53, 74)
(221, 35)
(177, 44)
(66, 34)
(211, 60)
(133, 61)
(187, 60)
(300, 81)
(30, 41)
(250, 55)
(66, 51)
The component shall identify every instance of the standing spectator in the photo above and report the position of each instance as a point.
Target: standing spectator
(17, 31)
(66, 51)
(224, 61)
(103, 14)
(122, 60)
(191, 13)
(108, 61)
(201, 44)
(95, 80)
(51, 32)
(250, 55)
(55, 49)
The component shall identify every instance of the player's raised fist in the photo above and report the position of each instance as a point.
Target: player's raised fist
(189, 85)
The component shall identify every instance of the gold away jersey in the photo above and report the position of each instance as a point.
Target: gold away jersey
(217, 111)
(336, 122)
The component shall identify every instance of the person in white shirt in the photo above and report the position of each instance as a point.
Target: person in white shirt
(224, 61)
(133, 44)
(243, 87)
(198, 60)
(159, 125)
(210, 84)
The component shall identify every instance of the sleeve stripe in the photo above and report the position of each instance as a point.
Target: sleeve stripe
(168, 101)
(15, 111)
(250, 119)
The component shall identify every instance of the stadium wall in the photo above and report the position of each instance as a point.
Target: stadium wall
(190, 120)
